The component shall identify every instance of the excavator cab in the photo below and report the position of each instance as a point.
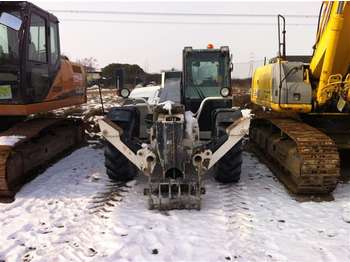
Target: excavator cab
(31, 67)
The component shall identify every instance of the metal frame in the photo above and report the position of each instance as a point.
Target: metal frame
(236, 132)
(144, 159)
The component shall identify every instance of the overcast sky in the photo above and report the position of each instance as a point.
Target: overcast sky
(156, 46)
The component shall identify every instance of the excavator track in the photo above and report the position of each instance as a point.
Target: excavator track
(35, 143)
(306, 159)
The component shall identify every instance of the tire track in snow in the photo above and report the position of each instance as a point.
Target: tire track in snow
(176, 235)
(55, 218)
(81, 239)
(50, 218)
(241, 210)
(104, 201)
(267, 224)
(235, 205)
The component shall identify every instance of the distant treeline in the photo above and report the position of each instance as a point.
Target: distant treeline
(133, 75)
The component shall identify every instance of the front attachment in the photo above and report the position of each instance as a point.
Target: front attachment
(174, 184)
(169, 194)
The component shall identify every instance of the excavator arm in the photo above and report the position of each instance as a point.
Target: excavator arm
(330, 63)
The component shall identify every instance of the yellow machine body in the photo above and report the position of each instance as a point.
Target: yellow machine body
(267, 92)
(327, 74)
(331, 60)
(311, 95)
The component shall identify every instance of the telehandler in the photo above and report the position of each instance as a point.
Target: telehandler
(190, 128)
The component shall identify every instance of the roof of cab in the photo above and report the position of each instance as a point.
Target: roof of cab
(28, 5)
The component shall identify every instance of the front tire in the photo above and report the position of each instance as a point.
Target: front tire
(228, 168)
(118, 167)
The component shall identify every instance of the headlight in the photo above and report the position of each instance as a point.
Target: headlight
(124, 93)
(225, 91)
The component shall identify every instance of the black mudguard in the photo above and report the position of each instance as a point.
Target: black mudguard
(128, 119)
(221, 119)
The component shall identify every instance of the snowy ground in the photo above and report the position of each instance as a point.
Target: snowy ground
(73, 212)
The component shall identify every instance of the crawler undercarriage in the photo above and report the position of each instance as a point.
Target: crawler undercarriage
(307, 158)
(31, 144)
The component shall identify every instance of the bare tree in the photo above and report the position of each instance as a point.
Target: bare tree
(89, 63)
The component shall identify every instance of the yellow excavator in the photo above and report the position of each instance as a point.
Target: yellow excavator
(34, 79)
(307, 121)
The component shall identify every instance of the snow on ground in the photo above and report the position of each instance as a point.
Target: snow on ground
(73, 212)
(10, 140)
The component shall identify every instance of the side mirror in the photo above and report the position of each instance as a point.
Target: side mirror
(93, 78)
(231, 63)
(10, 21)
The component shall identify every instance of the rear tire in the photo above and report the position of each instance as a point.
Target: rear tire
(228, 168)
(118, 167)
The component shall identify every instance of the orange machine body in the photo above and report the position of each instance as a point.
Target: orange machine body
(68, 89)
(34, 77)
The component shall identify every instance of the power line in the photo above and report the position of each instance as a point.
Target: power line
(177, 14)
(179, 22)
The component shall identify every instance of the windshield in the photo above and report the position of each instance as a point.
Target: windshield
(207, 73)
(9, 43)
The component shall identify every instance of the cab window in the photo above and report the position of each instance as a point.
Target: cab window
(37, 50)
(205, 73)
(9, 44)
(54, 43)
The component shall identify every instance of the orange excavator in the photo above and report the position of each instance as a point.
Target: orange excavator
(34, 79)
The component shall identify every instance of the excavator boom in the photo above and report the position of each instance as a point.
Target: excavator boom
(331, 59)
